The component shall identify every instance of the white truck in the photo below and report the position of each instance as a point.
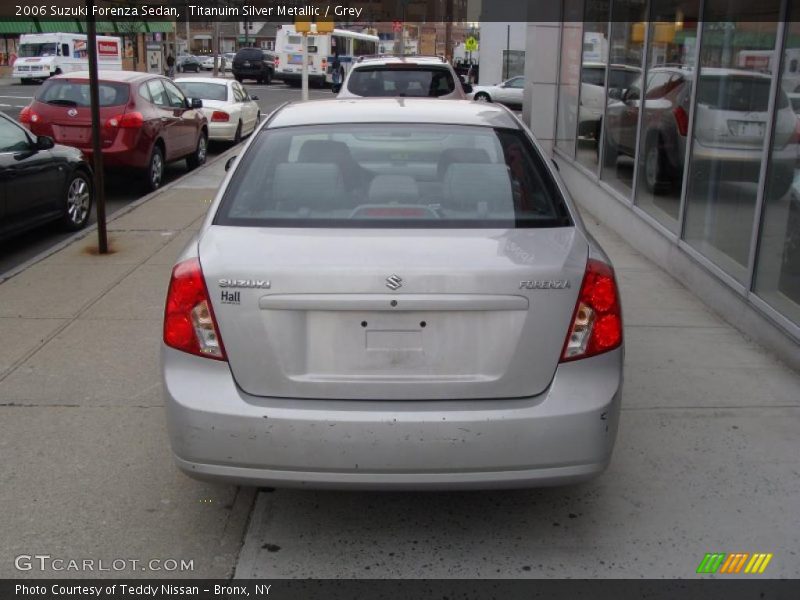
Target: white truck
(42, 55)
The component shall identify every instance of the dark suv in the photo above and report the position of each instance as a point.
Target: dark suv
(253, 63)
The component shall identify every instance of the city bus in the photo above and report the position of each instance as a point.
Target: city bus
(321, 50)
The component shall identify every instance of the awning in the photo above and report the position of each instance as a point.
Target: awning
(15, 27)
(160, 26)
(201, 36)
(59, 27)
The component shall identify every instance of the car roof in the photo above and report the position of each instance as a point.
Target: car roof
(204, 80)
(395, 60)
(121, 76)
(393, 110)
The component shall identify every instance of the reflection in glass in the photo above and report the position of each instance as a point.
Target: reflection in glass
(624, 93)
(727, 146)
(665, 124)
(593, 81)
(778, 268)
(569, 76)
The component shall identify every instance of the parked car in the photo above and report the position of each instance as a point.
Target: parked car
(40, 182)
(230, 110)
(407, 76)
(395, 295)
(509, 92)
(207, 63)
(187, 63)
(730, 125)
(147, 120)
(253, 63)
(229, 56)
(593, 93)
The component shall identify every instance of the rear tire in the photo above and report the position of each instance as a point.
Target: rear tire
(154, 174)
(237, 137)
(198, 157)
(482, 97)
(78, 200)
(655, 168)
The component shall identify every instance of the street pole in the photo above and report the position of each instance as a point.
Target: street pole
(508, 49)
(215, 48)
(304, 78)
(448, 30)
(188, 39)
(97, 153)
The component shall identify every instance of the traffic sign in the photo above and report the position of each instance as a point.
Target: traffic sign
(471, 44)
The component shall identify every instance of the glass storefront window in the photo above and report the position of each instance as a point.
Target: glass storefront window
(777, 277)
(593, 80)
(662, 143)
(624, 93)
(730, 124)
(569, 76)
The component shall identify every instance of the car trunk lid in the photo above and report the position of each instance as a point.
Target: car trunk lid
(393, 314)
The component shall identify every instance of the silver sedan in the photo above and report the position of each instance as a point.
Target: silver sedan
(393, 295)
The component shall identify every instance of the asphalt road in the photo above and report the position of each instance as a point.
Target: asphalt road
(120, 190)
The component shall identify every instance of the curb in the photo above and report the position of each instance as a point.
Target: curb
(79, 235)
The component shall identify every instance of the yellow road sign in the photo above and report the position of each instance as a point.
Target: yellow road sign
(471, 44)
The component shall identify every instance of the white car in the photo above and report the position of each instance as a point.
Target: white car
(207, 63)
(232, 113)
(509, 92)
(401, 76)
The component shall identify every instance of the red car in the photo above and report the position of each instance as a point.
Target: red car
(146, 120)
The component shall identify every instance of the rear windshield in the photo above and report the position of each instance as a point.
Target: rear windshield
(416, 81)
(736, 92)
(64, 92)
(250, 54)
(394, 176)
(204, 91)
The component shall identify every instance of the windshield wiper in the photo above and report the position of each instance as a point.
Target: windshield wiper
(61, 102)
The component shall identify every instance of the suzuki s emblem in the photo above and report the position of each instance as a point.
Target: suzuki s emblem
(394, 282)
(72, 112)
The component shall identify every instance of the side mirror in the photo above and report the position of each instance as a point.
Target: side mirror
(196, 103)
(336, 88)
(229, 163)
(467, 88)
(45, 142)
(615, 94)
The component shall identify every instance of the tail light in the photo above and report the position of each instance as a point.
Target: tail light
(219, 116)
(277, 62)
(795, 139)
(27, 116)
(681, 120)
(189, 323)
(131, 120)
(597, 321)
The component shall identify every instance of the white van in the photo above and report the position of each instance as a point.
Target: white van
(41, 55)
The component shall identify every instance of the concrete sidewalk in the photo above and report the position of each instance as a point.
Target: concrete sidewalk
(86, 470)
(706, 459)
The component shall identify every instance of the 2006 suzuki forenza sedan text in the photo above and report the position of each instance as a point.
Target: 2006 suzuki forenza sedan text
(393, 294)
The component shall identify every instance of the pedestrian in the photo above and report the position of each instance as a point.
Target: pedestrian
(170, 66)
(336, 68)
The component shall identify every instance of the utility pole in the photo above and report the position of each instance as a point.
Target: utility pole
(188, 39)
(215, 48)
(97, 152)
(448, 30)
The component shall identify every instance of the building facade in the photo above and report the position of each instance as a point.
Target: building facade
(676, 122)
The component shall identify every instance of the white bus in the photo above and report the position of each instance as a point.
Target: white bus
(321, 50)
(41, 55)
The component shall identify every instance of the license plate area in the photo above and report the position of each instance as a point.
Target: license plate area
(295, 59)
(72, 134)
(751, 129)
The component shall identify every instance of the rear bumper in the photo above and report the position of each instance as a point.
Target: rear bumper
(561, 436)
(222, 131)
(287, 77)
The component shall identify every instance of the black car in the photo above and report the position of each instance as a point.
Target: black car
(40, 182)
(186, 63)
(253, 63)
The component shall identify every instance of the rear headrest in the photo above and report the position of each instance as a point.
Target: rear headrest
(322, 151)
(297, 185)
(468, 185)
(402, 189)
(461, 155)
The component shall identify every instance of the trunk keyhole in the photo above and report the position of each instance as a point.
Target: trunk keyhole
(393, 302)
(363, 323)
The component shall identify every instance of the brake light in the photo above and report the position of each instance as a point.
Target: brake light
(189, 323)
(277, 62)
(219, 116)
(27, 116)
(681, 120)
(597, 321)
(131, 120)
(795, 139)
